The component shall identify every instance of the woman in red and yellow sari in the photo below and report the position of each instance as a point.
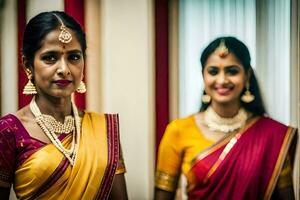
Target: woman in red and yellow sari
(49, 149)
(230, 149)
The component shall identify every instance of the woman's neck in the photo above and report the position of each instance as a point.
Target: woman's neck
(57, 107)
(226, 110)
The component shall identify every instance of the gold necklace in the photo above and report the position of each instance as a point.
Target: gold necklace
(225, 125)
(58, 127)
(70, 154)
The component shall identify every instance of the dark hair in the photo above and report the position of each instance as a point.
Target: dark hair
(40, 25)
(240, 50)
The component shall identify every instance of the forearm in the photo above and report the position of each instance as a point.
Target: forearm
(163, 195)
(118, 190)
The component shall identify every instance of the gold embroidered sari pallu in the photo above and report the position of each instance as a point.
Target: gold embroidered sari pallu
(245, 166)
(47, 174)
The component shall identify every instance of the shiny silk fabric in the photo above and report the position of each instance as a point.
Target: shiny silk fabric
(47, 174)
(249, 170)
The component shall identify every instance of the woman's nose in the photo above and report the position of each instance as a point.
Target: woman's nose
(221, 79)
(63, 69)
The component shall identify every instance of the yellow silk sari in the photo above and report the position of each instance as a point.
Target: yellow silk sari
(47, 174)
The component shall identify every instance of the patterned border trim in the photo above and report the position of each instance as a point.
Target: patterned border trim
(112, 124)
(165, 181)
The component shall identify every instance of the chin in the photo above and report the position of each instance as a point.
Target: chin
(62, 94)
(225, 100)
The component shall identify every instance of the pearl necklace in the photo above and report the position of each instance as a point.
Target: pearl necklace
(226, 125)
(58, 127)
(70, 154)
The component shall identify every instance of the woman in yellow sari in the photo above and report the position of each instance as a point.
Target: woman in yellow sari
(230, 150)
(49, 149)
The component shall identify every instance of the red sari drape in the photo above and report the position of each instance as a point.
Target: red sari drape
(249, 170)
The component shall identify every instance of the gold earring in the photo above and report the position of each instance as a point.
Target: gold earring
(29, 88)
(81, 88)
(247, 97)
(206, 98)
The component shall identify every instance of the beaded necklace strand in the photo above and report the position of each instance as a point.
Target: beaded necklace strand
(71, 153)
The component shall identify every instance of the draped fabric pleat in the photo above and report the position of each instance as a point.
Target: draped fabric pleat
(22, 78)
(161, 68)
(75, 8)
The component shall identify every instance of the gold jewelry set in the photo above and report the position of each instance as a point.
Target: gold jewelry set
(53, 128)
(65, 37)
(225, 125)
(247, 97)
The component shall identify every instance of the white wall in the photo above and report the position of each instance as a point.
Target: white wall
(34, 7)
(9, 56)
(128, 80)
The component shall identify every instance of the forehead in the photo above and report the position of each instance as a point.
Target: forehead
(215, 60)
(51, 41)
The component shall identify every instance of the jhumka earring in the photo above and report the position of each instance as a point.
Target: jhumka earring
(65, 36)
(222, 50)
(29, 88)
(247, 97)
(206, 98)
(81, 88)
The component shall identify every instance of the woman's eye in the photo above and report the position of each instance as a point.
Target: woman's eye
(49, 58)
(213, 71)
(74, 57)
(232, 71)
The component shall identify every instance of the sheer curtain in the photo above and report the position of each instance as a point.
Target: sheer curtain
(273, 57)
(263, 26)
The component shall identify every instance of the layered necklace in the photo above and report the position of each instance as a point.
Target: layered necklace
(225, 125)
(53, 128)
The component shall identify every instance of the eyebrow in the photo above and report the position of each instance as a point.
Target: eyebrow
(232, 66)
(75, 51)
(226, 67)
(57, 52)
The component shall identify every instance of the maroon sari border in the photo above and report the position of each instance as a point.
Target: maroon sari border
(53, 178)
(112, 125)
(290, 133)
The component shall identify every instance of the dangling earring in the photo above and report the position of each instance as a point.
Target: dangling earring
(206, 98)
(247, 97)
(81, 88)
(29, 88)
